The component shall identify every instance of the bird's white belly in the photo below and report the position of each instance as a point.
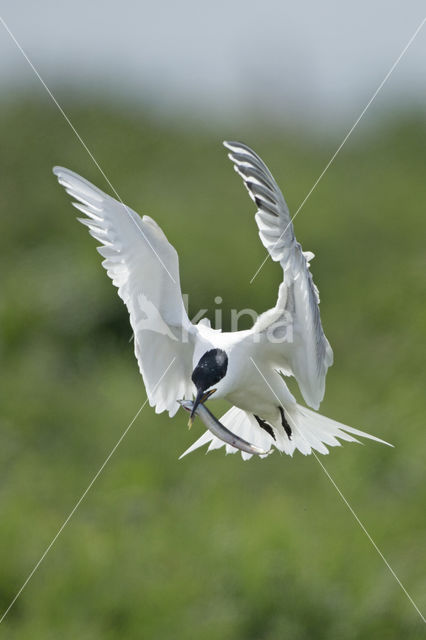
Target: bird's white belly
(255, 403)
(260, 401)
(249, 383)
(257, 389)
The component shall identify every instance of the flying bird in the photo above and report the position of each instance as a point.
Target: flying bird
(179, 360)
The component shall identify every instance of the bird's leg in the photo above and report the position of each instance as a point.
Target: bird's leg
(264, 425)
(285, 424)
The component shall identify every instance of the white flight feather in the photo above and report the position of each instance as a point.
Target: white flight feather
(144, 266)
(309, 354)
(310, 432)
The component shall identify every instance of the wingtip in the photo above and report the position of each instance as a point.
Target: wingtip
(233, 144)
(60, 172)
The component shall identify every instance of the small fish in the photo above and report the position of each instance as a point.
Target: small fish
(221, 432)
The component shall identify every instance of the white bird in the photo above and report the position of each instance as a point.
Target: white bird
(246, 368)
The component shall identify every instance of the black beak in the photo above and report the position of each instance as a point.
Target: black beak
(198, 398)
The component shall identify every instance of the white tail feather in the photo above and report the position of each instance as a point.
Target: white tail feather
(310, 431)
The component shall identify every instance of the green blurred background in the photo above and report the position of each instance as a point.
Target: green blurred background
(209, 546)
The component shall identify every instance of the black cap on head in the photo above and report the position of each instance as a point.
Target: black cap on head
(210, 369)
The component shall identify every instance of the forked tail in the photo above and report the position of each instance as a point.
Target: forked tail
(310, 432)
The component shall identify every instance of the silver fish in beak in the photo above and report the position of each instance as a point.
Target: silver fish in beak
(220, 431)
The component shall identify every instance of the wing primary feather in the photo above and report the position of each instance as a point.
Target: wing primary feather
(309, 355)
(87, 210)
(241, 159)
(264, 206)
(247, 171)
(92, 224)
(136, 256)
(261, 191)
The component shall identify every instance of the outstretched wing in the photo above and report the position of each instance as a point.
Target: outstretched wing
(144, 267)
(306, 353)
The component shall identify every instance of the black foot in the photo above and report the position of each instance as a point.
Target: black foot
(285, 424)
(267, 427)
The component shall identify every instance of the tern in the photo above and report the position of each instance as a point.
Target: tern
(179, 360)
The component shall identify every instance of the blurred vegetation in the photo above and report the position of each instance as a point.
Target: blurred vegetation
(209, 546)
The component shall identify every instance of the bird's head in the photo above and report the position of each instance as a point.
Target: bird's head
(210, 369)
